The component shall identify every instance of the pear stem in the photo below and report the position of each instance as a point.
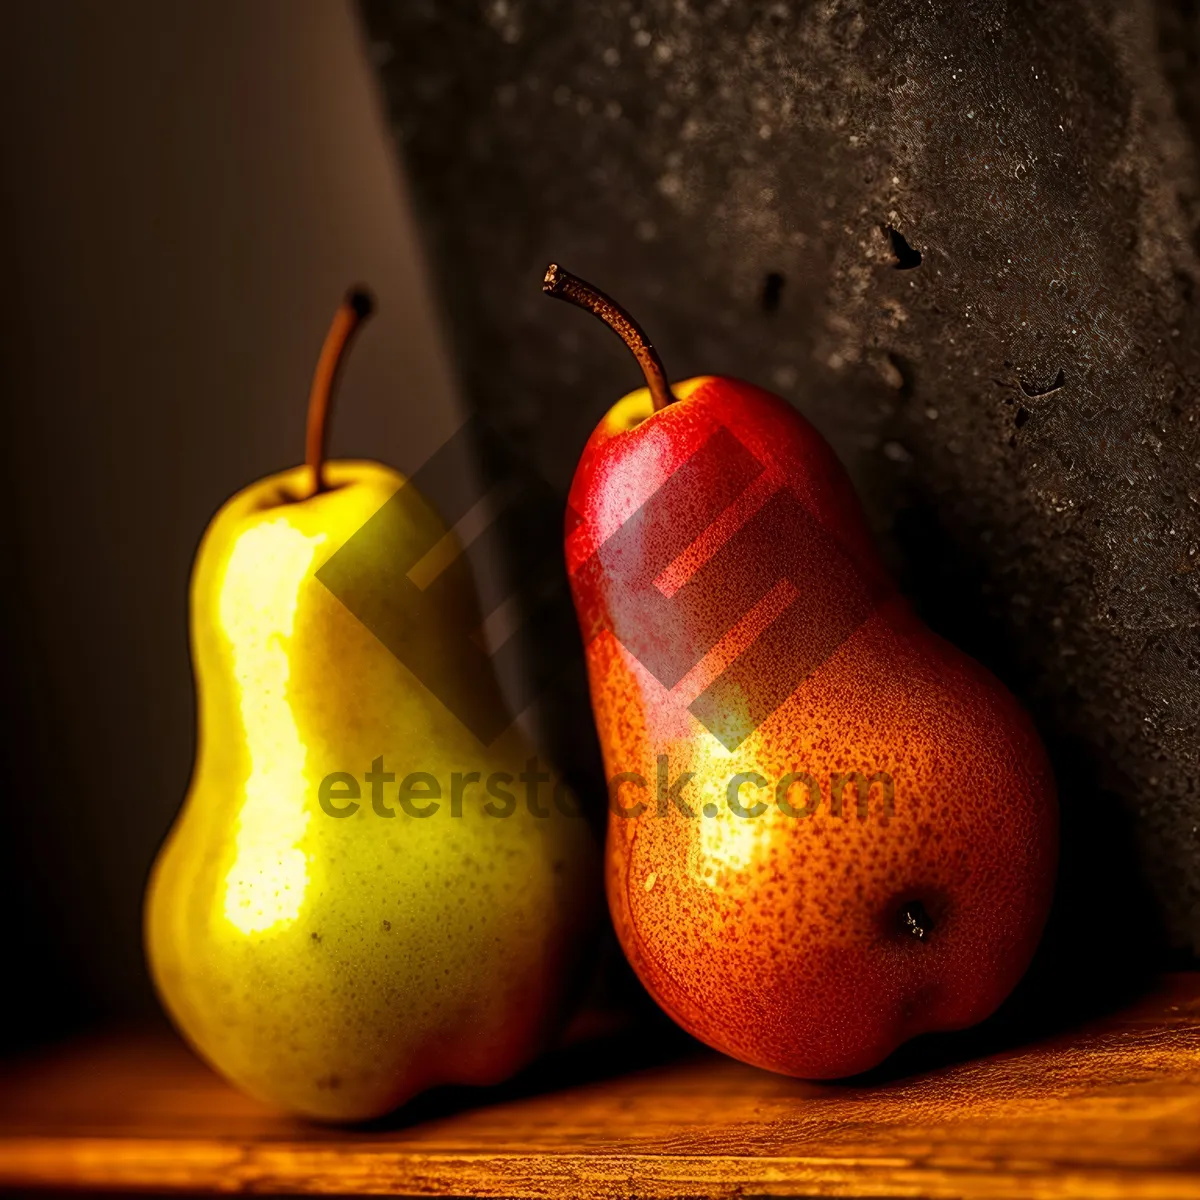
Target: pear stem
(565, 286)
(354, 309)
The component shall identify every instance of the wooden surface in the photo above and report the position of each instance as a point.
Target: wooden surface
(1112, 1109)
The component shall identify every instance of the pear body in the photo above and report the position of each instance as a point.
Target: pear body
(336, 963)
(871, 840)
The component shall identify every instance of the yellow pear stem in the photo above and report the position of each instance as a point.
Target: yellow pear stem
(354, 309)
(565, 286)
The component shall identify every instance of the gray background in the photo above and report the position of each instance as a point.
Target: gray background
(1042, 158)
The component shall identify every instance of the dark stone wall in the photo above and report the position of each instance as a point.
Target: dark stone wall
(961, 237)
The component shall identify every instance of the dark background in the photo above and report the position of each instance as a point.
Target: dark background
(961, 237)
(188, 188)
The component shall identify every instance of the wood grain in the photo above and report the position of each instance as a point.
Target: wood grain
(1110, 1110)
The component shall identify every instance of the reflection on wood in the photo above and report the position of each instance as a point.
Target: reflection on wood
(1111, 1110)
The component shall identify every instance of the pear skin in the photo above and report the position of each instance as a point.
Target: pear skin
(336, 965)
(793, 917)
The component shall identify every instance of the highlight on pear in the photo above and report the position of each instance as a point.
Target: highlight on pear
(336, 968)
(739, 623)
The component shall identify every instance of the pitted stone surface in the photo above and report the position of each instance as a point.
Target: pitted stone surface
(1020, 410)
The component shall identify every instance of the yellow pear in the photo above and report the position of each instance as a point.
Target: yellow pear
(359, 899)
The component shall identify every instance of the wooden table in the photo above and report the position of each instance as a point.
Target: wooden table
(1112, 1109)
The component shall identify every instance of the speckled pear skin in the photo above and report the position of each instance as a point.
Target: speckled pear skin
(338, 966)
(782, 939)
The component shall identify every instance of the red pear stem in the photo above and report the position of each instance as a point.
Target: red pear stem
(565, 286)
(354, 309)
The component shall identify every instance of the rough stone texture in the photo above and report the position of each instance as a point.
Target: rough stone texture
(1020, 411)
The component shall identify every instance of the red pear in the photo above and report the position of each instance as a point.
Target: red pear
(829, 829)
